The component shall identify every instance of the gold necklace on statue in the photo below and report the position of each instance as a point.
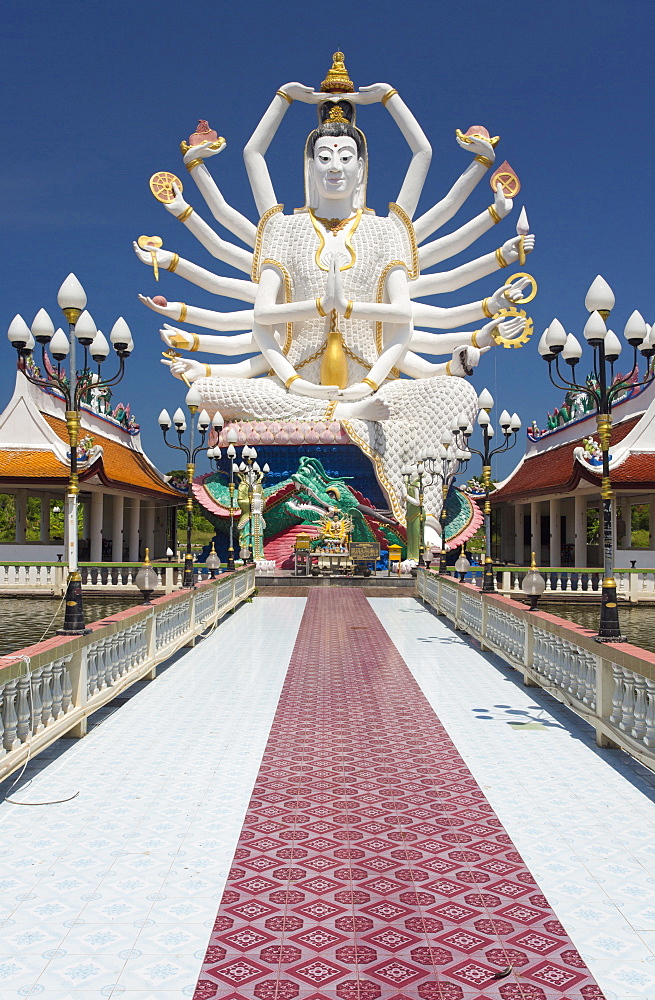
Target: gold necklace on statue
(334, 226)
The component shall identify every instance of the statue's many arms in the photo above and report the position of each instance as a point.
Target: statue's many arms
(334, 322)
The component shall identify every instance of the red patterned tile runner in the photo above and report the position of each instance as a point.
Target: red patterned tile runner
(370, 864)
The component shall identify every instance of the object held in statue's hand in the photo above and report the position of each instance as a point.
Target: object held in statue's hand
(152, 244)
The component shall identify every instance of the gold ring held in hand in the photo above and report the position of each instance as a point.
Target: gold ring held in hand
(533, 283)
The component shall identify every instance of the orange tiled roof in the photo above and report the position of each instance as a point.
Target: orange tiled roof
(557, 471)
(118, 465)
(31, 464)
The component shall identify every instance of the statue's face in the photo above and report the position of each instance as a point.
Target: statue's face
(337, 169)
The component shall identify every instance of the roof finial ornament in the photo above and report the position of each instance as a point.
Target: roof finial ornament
(337, 80)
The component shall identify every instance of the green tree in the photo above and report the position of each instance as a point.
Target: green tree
(202, 530)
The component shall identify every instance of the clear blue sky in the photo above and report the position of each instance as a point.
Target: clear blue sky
(97, 97)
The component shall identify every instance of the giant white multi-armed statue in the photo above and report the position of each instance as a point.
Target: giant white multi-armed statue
(332, 328)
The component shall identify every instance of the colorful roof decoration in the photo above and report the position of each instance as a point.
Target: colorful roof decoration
(34, 445)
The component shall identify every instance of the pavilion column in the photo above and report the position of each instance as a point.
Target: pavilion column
(555, 532)
(117, 528)
(535, 529)
(149, 528)
(95, 527)
(135, 514)
(519, 544)
(21, 516)
(651, 521)
(44, 520)
(580, 530)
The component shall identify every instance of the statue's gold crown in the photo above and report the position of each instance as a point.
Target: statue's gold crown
(337, 80)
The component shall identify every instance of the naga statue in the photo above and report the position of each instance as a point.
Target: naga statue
(305, 500)
(334, 326)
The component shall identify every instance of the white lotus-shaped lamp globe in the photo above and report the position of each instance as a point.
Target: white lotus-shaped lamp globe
(483, 418)
(42, 327)
(612, 346)
(120, 335)
(543, 348)
(515, 422)
(85, 329)
(71, 295)
(217, 421)
(504, 419)
(18, 332)
(556, 337)
(164, 420)
(485, 400)
(193, 397)
(99, 349)
(59, 345)
(572, 350)
(635, 330)
(232, 436)
(595, 330)
(203, 420)
(600, 297)
(179, 420)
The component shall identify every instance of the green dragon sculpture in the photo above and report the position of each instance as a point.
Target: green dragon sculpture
(309, 493)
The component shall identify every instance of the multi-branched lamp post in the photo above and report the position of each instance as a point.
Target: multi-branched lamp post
(443, 466)
(251, 475)
(602, 391)
(73, 387)
(510, 426)
(193, 401)
(215, 455)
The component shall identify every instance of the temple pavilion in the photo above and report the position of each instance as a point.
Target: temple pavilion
(126, 503)
(550, 504)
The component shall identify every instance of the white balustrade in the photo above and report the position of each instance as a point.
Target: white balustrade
(46, 693)
(610, 687)
(51, 577)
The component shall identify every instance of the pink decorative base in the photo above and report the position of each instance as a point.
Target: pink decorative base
(293, 432)
(370, 864)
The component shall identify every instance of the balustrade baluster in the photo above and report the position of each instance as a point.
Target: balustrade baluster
(66, 684)
(114, 651)
(92, 669)
(628, 707)
(639, 725)
(9, 717)
(36, 702)
(24, 708)
(617, 696)
(46, 694)
(57, 690)
(649, 736)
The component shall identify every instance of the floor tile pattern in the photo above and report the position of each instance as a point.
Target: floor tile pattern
(113, 893)
(583, 818)
(370, 864)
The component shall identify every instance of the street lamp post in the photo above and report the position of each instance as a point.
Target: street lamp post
(510, 426)
(71, 299)
(251, 475)
(442, 466)
(193, 401)
(602, 391)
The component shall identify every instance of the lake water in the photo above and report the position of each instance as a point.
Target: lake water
(637, 621)
(23, 621)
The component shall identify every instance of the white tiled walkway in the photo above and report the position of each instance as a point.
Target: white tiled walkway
(113, 893)
(583, 818)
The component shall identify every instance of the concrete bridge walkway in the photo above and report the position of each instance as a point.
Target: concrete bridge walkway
(330, 797)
